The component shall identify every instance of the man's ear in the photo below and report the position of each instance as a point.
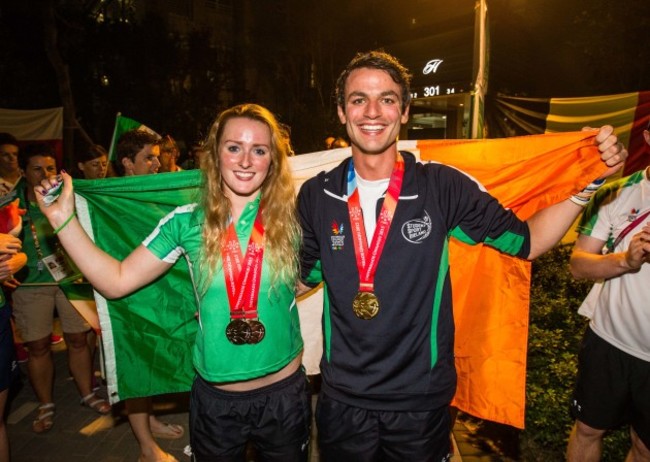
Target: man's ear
(127, 164)
(405, 115)
(341, 113)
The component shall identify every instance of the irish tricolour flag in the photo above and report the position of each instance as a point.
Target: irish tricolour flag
(148, 335)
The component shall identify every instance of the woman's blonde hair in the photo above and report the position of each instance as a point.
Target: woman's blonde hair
(281, 227)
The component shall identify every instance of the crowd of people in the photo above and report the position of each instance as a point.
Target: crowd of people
(252, 246)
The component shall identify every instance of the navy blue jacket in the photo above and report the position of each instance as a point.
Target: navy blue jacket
(403, 359)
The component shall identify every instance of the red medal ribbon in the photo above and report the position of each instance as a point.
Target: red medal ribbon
(368, 258)
(243, 274)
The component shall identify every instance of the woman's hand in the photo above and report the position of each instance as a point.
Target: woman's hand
(62, 208)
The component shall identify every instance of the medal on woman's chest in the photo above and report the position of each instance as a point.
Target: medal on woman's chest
(241, 331)
(242, 276)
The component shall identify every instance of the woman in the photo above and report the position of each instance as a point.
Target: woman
(247, 354)
(93, 162)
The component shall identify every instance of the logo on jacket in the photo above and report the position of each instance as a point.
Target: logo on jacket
(633, 214)
(418, 229)
(337, 237)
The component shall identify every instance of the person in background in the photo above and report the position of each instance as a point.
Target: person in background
(193, 159)
(92, 162)
(10, 174)
(241, 241)
(388, 373)
(10, 171)
(11, 260)
(138, 153)
(39, 294)
(328, 142)
(169, 153)
(339, 143)
(613, 383)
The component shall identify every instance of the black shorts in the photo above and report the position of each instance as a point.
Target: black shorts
(612, 389)
(351, 434)
(275, 419)
(8, 365)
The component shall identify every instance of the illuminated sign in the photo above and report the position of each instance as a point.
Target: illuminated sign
(440, 56)
(431, 67)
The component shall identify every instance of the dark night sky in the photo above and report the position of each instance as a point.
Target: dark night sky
(570, 47)
(538, 47)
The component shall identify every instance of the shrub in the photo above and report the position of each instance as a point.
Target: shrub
(555, 332)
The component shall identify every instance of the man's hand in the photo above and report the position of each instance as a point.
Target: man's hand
(11, 283)
(638, 251)
(612, 152)
(11, 264)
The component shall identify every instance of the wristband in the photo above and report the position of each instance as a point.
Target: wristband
(65, 223)
(582, 198)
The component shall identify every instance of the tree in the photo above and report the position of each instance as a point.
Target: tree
(96, 59)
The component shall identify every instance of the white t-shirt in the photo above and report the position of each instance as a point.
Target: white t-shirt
(369, 193)
(621, 309)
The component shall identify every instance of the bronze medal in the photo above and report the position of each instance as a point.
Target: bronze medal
(257, 330)
(238, 332)
(365, 305)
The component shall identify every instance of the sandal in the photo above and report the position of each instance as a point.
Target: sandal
(169, 431)
(43, 421)
(97, 404)
(168, 458)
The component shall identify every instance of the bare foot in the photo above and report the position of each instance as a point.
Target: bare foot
(165, 430)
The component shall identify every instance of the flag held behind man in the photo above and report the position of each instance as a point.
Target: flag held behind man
(148, 335)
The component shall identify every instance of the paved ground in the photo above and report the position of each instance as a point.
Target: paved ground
(79, 434)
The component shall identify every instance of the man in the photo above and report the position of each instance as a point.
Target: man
(613, 384)
(169, 153)
(39, 294)
(10, 174)
(138, 153)
(388, 367)
(9, 170)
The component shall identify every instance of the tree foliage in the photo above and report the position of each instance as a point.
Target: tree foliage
(286, 54)
(556, 330)
(138, 68)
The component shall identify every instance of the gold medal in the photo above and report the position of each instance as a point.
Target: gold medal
(365, 305)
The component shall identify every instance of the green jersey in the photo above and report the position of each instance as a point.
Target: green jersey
(215, 358)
